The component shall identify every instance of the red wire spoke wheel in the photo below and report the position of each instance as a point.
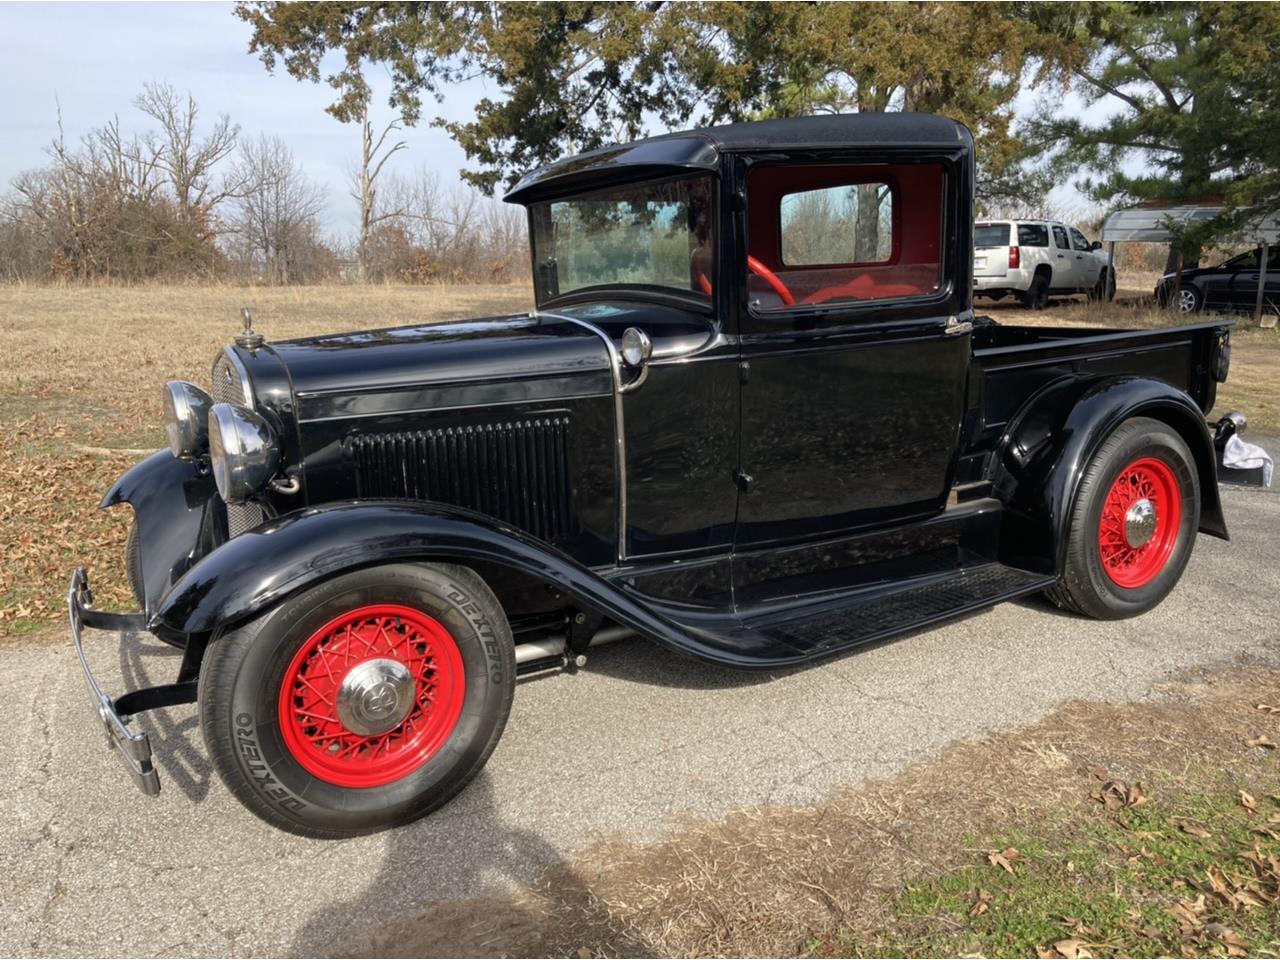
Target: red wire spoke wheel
(371, 696)
(1139, 525)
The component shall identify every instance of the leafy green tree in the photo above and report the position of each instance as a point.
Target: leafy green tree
(1196, 103)
(574, 75)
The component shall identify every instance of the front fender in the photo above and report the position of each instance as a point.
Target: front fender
(1049, 445)
(174, 505)
(258, 569)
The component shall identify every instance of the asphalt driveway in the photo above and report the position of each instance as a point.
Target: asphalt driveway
(90, 866)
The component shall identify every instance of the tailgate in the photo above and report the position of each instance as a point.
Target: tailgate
(990, 249)
(990, 261)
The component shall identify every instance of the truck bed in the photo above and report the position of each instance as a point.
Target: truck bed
(1013, 363)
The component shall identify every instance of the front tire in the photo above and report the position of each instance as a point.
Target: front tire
(1036, 297)
(363, 703)
(1133, 524)
(1104, 291)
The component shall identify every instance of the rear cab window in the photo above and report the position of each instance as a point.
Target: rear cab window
(991, 235)
(832, 233)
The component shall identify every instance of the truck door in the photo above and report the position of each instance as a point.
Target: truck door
(1065, 273)
(1087, 266)
(1244, 279)
(854, 346)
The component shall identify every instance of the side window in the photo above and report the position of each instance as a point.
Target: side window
(1078, 240)
(1033, 235)
(1060, 238)
(831, 233)
(834, 225)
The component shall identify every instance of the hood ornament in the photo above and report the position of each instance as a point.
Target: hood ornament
(248, 338)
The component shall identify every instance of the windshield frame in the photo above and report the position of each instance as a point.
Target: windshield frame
(537, 210)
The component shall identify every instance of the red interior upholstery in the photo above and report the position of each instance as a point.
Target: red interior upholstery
(914, 264)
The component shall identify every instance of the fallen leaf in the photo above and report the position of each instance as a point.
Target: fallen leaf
(1072, 949)
(1262, 740)
(1099, 773)
(1248, 802)
(1267, 708)
(1218, 881)
(1004, 859)
(1193, 829)
(1116, 795)
(1228, 937)
(981, 902)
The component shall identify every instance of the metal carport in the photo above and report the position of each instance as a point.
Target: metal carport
(1150, 224)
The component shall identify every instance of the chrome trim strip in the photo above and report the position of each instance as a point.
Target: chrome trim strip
(615, 365)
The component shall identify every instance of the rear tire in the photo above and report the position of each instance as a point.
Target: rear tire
(1190, 300)
(363, 703)
(1036, 297)
(1122, 559)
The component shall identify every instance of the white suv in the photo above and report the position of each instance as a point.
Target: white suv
(1036, 259)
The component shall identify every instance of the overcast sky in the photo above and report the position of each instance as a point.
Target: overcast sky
(93, 58)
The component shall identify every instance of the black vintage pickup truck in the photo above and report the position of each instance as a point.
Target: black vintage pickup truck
(753, 419)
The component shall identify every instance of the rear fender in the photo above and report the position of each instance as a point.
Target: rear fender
(175, 507)
(1043, 456)
(258, 569)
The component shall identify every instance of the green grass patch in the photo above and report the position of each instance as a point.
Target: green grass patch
(1143, 881)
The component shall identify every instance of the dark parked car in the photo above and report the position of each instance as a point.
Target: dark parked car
(753, 419)
(1229, 286)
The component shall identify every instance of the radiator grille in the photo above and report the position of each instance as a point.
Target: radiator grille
(226, 385)
(242, 517)
(515, 471)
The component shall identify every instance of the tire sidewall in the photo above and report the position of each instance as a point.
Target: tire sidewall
(250, 718)
(1162, 444)
(1037, 296)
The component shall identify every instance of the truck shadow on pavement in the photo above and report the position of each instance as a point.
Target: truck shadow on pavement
(443, 891)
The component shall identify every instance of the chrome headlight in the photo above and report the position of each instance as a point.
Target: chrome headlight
(186, 419)
(637, 348)
(243, 451)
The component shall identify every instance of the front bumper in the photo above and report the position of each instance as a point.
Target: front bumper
(133, 745)
(1016, 279)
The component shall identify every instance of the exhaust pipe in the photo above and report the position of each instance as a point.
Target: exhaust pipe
(555, 646)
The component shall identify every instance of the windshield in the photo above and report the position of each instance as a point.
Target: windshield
(647, 235)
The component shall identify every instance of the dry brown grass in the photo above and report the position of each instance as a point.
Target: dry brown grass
(781, 881)
(82, 368)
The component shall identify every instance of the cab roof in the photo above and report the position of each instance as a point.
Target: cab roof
(694, 150)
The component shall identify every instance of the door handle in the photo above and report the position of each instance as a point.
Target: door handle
(1061, 256)
(956, 327)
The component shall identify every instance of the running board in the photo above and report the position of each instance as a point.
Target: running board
(820, 629)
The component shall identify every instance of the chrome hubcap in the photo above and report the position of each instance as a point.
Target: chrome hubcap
(1140, 523)
(375, 697)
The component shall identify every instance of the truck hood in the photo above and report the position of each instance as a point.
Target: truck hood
(514, 347)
